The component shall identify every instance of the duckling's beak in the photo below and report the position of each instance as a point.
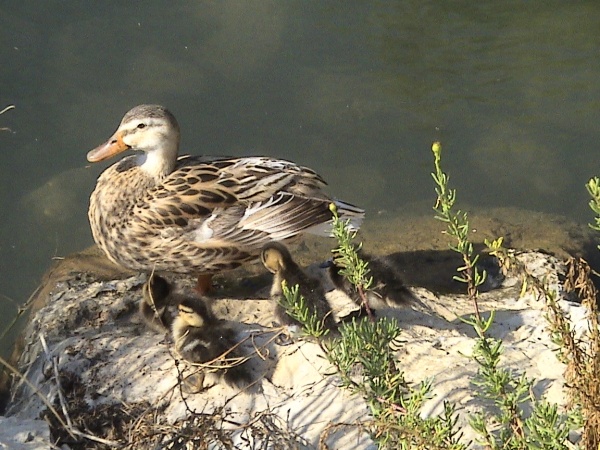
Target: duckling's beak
(327, 264)
(112, 147)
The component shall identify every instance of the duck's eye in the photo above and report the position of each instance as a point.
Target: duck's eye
(141, 125)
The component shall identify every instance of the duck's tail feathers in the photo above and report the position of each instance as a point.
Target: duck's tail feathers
(347, 212)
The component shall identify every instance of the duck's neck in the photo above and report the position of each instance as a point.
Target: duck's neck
(159, 162)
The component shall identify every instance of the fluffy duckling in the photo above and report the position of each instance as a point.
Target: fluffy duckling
(200, 338)
(387, 289)
(277, 259)
(157, 306)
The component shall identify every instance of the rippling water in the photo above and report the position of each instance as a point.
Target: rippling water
(357, 91)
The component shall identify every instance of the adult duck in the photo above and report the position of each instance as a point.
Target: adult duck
(197, 214)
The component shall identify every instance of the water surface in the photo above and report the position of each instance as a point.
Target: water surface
(356, 90)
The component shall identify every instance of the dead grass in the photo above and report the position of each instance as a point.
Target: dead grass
(583, 373)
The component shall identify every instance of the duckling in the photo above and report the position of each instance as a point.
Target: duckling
(387, 289)
(200, 338)
(277, 259)
(157, 306)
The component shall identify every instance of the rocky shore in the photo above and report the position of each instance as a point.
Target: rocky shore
(115, 383)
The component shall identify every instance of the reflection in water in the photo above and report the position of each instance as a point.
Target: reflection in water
(57, 203)
(359, 92)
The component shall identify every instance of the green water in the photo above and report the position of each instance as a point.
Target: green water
(356, 90)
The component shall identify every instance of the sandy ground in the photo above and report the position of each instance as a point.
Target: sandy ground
(118, 375)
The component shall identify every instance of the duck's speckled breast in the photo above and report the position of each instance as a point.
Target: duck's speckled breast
(135, 234)
(118, 190)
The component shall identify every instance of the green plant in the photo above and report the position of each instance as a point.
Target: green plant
(506, 427)
(366, 363)
(458, 227)
(593, 187)
(368, 343)
(346, 257)
(581, 354)
(296, 307)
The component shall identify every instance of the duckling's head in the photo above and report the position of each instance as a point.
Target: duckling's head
(156, 290)
(275, 257)
(194, 312)
(149, 128)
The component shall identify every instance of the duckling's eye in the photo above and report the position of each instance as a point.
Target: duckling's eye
(141, 125)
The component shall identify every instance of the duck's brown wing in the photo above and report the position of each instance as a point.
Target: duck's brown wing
(256, 190)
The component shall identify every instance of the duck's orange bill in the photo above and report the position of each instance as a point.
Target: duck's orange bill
(112, 147)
